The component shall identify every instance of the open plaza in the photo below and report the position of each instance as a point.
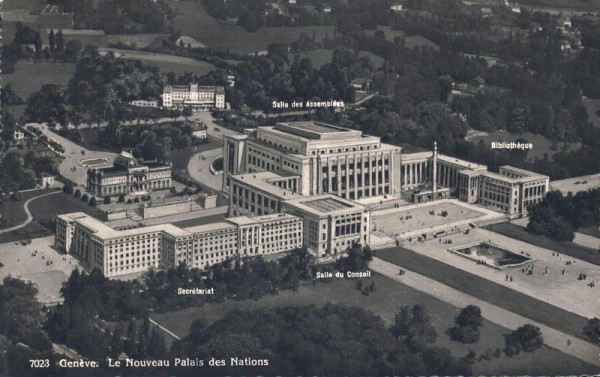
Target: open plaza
(39, 263)
(565, 282)
(432, 219)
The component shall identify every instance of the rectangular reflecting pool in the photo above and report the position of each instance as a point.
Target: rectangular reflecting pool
(492, 255)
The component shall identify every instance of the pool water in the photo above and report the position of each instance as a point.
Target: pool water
(491, 254)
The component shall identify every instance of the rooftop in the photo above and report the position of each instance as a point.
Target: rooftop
(259, 180)
(325, 204)
(312, 130)
(209, 227)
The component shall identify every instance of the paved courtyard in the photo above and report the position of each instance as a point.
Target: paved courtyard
(554, 278)
(39, 263)
(413, 220)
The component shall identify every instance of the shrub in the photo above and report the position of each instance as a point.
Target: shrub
(107, 200)
(136, 199)
(85, 197)
(129, 201)
(92, 202)
(77, 193)
(121, 198)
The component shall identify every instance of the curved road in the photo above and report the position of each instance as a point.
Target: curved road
(28, 212)
(199, 169)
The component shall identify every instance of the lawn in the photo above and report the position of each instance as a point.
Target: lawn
(567, 248)
(592, 230)
(486, 290)
(31, 231)
(12, 210)
(320, 57)
(386, 301)
(29, 77)
(44, 211)
(166, 63)
(195, 22)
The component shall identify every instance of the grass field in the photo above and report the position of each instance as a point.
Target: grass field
(29, 77)
(166, 63)
(105, 40)
(321, 56)
(44, 211)
(567, 248)
(386, 301)
(592, 230)
(541, 145)
(12, 210)
(194, 22)
(486, 290)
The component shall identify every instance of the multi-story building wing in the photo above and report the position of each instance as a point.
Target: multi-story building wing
(128, 175)
(331, 224)
(122, 252)
(193, 95)
(325, 158)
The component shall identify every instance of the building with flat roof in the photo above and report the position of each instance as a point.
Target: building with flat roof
(128, 175)
(331, 224)
(121, 252)
(194, 96)
(430, 176)
(325, 158)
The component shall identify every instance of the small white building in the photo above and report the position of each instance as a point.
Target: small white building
(18, 134)
(46, 180)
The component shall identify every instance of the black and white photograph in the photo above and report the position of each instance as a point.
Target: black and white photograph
(315, 188)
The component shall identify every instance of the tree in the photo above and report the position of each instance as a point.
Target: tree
(526, 338)
(107, 200)
(68, 188)
(51, 40)
(187, 112)
(92, 201)
(84, 197)
(60, 41)
(414, 326)
(592, 330)
(467, 326)
(77, 193)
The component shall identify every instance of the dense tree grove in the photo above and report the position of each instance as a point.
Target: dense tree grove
(18, 172)
(118, 16)
(99, 91)
(329, 341)
(558, 216)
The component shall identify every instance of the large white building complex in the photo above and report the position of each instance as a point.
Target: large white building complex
(122, 252)
(194, 96)
(290, 185)
(316, 158)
